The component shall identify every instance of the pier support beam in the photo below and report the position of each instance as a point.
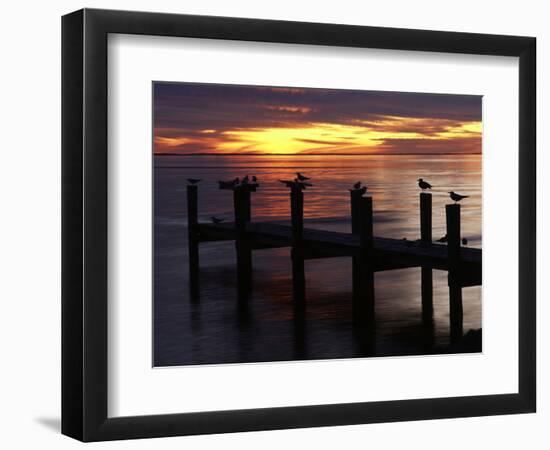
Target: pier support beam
(242, 206)
(363, 272)
(193, 240)
(455, 287)
(297, 252)
(426, 272)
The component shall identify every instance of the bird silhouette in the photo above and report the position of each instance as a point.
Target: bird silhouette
(443, 239)
(194, 180)
(288, 183)
(254, 179)
(357, 185)
(464, 241)
(457, 197)
(245, 180)
(228, 184)
(215, 219)
(424, 184)
(301, 177)
(363, 190)
(302, 183)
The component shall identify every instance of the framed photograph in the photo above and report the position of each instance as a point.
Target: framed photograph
(273, 224)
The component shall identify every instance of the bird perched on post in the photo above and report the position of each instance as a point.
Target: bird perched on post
(245, 180)
(302, 183)
(357, 185)
(288, 183)
(443, 239)
(216, 219)
(457, 197)
(193, 180)
(254, 179)
(301, 177)
(424, 184)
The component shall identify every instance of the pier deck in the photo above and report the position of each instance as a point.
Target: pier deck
(388, 254)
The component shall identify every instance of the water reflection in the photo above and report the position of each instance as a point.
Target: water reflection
(263, 323)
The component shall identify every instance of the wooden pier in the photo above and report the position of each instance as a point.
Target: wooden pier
(369, 253)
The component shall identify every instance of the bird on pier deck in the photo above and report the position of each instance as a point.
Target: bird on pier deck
(443, 239)
(301, 177)
(215, 219)
(457, 197)
(194, 180)
(424, 184)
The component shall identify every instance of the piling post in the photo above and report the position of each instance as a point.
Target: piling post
(297, 251)
(242, 207)
(454, 279)
(355, 202)
(193, 240)
(426, 272)
(363, 285)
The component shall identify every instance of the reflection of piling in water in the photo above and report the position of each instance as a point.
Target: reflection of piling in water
(454, 277)
(369, 254)
(426, 272)
(193, 239)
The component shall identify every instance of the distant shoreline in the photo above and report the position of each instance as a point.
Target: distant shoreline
(315, 154)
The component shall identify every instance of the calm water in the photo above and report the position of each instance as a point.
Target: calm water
(215, 330)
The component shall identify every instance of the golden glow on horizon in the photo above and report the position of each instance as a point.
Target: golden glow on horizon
(364, 136)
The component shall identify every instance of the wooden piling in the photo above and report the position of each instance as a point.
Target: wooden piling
(297, 252)
(426, 272)
(355, 202)
(242, 206)
(363, 295)
(193, 240)
(454, 279)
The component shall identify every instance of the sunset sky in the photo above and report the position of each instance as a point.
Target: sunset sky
(212, 118)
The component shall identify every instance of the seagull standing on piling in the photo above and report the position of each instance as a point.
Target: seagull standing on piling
(301, 177)
(357, 185)
(254, 179)
(424, 184)
(457, 197)
(193, 180)
(216, 219)
(245, 180)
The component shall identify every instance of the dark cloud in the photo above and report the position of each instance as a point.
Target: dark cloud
(223, 107)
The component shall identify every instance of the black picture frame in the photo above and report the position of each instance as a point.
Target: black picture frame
(84, 224)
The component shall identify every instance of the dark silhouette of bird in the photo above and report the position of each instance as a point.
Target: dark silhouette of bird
(245, 180)
(215, 219)
(457, 197)
(443, 239)
(288, 183)
(424, 184)
(301, 177)
(464, 241)
(363, 190)
(302, 183)
(357, 185)
(254, 179)
(229, 184)
(194, 180)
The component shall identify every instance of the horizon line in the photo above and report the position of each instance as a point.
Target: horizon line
(315, 154)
